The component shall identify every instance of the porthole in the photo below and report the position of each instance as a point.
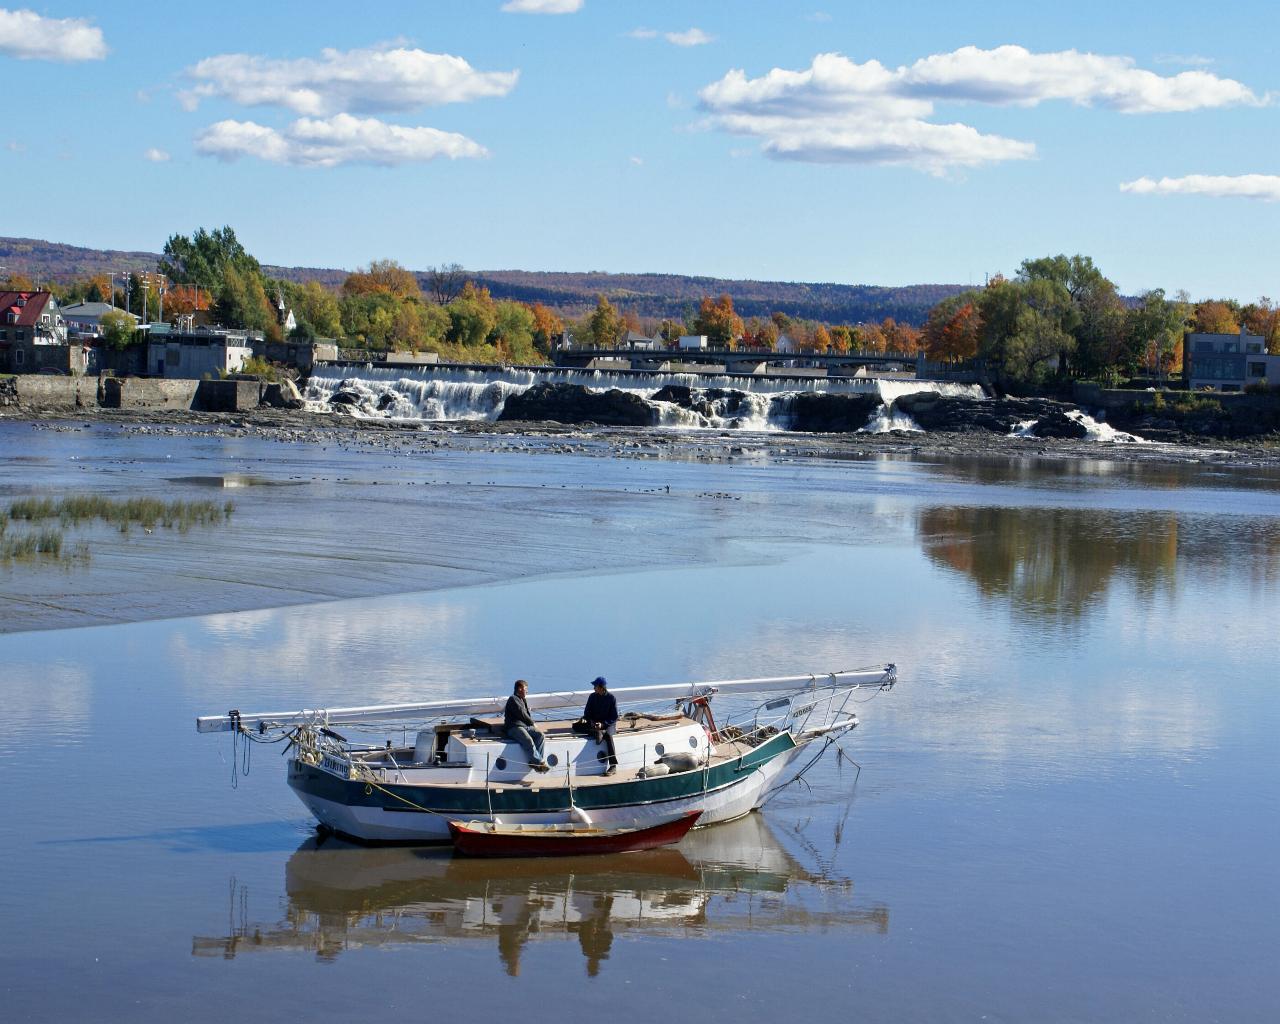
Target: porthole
(501, 764)
(553, 759)
(693, 742)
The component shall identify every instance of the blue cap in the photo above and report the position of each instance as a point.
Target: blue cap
(600, 681)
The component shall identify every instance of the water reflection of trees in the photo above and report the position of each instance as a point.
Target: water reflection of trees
(1060, 562)
(730, 877)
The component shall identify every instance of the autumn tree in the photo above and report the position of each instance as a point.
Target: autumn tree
(718, 321)
(472, 316)
(316, 309)
(98, 289)
(869, 338)
(1216, 317)
(17, 282)
(954, 329)
(547, 327)
(1263, 319)
(670, 330)
(385, 276)
(841, 339)
(1155, 330)
(242, 302)
(606, 325)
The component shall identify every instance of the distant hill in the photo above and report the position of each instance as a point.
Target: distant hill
(571, 294)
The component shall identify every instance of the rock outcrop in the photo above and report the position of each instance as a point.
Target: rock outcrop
(932, 411)
(819, 413)
(575, 404)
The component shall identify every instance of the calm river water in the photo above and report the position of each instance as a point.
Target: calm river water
(1068, 810)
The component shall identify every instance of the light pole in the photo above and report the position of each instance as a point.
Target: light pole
(128, 305)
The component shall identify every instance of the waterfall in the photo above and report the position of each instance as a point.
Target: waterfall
(438, 393)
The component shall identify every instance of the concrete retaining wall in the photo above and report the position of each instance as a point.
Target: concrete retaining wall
(143, 393)
(226, 395)
(49, 392)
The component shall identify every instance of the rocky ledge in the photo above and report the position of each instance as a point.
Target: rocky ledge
(575, 404)
(1046, 418)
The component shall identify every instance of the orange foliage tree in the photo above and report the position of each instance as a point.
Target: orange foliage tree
(951, 335)
(719, 322)
(1215, 318)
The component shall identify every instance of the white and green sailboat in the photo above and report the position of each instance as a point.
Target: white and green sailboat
(672, 755)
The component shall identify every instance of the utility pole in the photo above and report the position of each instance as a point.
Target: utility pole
(128, 305)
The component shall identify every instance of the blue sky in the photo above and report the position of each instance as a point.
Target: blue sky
(933, 143)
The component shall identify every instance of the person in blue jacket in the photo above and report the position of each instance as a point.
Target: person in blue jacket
(601, 719)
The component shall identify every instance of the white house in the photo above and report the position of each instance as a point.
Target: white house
(693, 341)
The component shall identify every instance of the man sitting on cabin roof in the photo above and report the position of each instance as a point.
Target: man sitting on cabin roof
(600, 718)
(517, 723)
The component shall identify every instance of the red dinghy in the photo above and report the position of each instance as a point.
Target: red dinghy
(487, 839)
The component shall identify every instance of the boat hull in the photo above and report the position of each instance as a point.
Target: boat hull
(376, 813)
(507, 842)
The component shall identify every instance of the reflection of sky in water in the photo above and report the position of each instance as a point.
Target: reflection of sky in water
(1067, 810)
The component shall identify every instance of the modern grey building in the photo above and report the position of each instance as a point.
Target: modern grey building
(1228, 362)
(192, 354)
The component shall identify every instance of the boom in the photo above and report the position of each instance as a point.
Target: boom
(881, 677)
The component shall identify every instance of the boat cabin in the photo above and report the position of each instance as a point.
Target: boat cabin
(471, 752)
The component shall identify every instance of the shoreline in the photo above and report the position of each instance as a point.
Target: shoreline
(649, 442)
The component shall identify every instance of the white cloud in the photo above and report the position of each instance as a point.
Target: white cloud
(1239, 186)
(636, 160)
(1013, 75)
(837, 110)
(28, 36)
(156, 156)
(15, 147)
(328, 142)
(818, 16)
(378, 78)
(689, 37)
(542, 6)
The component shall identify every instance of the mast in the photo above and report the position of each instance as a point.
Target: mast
(880, 677)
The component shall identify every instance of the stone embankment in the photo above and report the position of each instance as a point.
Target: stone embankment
(41, 394)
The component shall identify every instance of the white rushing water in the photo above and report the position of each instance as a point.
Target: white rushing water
(1097, 430)
(460, 393)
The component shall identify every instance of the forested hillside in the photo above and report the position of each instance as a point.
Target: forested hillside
(569, 294)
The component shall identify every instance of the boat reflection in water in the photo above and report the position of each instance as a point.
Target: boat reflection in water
(733, 876)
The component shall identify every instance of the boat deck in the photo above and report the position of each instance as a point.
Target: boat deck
(480, 733)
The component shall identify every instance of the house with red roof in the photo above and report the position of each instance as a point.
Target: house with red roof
(33, 334)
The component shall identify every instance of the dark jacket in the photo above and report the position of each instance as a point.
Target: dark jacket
(601, 707)
(516, 713)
